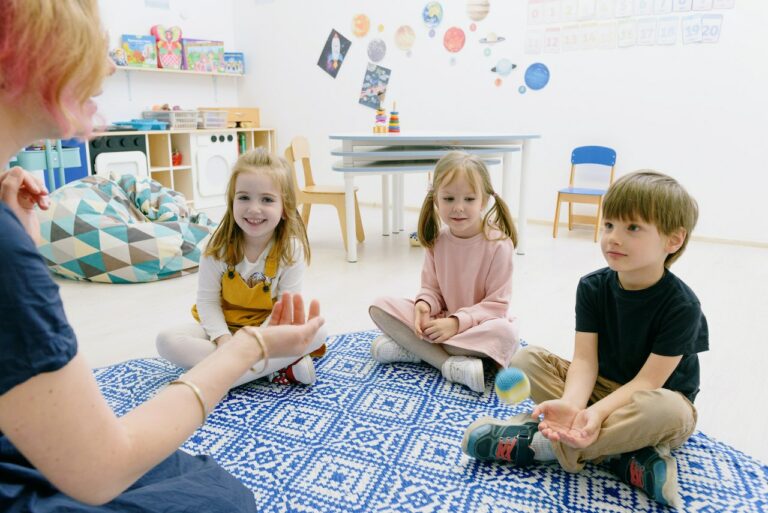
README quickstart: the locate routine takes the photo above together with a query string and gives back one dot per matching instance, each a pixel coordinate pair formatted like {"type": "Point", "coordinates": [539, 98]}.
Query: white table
{"type": "Point", "coordinates": [416, 152]}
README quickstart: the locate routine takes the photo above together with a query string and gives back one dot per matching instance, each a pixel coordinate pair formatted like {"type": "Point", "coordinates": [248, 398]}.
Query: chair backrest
{"type": "Point", "coordinates": [600, 155]}
{"type": "Point", "coordinates": [298, 151]}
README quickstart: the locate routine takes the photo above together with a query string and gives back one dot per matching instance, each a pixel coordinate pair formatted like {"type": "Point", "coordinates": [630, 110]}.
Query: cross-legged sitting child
{"type": "Point", "coordinates": [461, 313]}
{"type": "Point", "coordinates": [257, 253]}
{"type": "Point", "coordinates": [627, 395]}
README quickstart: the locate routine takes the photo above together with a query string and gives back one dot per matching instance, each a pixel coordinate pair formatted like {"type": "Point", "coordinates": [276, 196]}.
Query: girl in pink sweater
{"type": "Point", "coordinates": [460, 314]}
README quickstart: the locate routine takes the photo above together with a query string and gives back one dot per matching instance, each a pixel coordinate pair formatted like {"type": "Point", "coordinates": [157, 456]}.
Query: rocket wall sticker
{"type": "Point", "coordinates": [334, 51]}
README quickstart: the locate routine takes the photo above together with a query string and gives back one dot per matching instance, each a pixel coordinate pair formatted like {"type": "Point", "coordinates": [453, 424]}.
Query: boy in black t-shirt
{"type": "Point", "coordinates": [627, 396]}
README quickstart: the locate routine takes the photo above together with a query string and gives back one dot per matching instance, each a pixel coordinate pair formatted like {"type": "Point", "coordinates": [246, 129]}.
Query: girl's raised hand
{"type": "Point", "coordinates": [420, 317]}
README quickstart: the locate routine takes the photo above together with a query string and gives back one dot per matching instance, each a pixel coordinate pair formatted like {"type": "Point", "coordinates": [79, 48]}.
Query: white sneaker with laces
{"type": "Point", "coordinates": [465, 370]}
{"type": "Point", "coordinates": [386, 350]}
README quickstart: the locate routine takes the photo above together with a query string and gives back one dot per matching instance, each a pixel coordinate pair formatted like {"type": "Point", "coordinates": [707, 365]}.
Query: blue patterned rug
{"type": "Point", "coordinates": [380, 438]}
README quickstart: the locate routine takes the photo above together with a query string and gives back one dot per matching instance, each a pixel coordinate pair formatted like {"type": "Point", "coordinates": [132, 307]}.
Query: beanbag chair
{"type": "Point", "coordinates": [127, 231]}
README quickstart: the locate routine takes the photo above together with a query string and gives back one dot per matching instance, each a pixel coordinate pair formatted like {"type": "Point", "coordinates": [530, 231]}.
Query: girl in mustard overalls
{"type": "Point", "coordinates": [257, 252]}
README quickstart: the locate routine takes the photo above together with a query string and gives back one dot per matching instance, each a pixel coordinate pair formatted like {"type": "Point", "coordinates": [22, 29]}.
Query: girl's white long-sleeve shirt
{"type": "Point", "coordinates": [287, 279]}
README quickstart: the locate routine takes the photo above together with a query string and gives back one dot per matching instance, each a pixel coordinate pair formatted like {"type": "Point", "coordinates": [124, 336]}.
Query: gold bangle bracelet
{"type": "Point", "coordinates": [198, 395]}
{"type": "Point", "coordinates": [256, 334]}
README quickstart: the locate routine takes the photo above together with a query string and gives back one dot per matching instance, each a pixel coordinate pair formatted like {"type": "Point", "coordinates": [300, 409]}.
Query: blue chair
{"type": "Point", "coordinates": [585, 155]}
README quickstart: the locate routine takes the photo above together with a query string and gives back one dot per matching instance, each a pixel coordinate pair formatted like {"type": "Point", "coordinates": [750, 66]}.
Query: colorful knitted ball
{"type": "Point", "coordinates": [512, 385]}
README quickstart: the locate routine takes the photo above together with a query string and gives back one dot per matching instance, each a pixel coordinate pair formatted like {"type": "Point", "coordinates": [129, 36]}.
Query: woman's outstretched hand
{"type": "Point", "coordinates": [290, 330]}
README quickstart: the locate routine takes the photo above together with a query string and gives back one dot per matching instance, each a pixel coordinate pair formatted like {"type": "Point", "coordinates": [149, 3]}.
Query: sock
{"type": "Point", "coordinates": [542, 448]}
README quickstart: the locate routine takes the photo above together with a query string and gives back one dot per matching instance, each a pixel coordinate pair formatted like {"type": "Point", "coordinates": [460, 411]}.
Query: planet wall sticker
{"type": "Point", "coordinates": [360, 25]}
{"type": "Point", "coordinates": [503, 67]}
{"type": "Point", "coordinates": [432, 14]}
{"type": "Point", "coordinates": [405, 37]}
{"type": "Point", "coordinates": [536, 76]}
{"type": "Point", "coordinates": [454, 39]}
{"type": "Point", "coordinates": [477, 10]}
{"type": "Point", "coordinates": [491, 39]}
{"type": "Point", "coordinates": [377, 49]}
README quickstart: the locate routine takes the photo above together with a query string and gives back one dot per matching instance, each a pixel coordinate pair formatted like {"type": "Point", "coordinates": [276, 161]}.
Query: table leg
{"type": "Point", "coordinates": [401, 203]}
{"type": "Point", "coordinates": [385, 204]}
{"type": "Point", "coordinates": [349, 201]}
{"type": "Point", "coordinates": [522, 214]}
{"type": "Point", "coordinates": [395, 202]}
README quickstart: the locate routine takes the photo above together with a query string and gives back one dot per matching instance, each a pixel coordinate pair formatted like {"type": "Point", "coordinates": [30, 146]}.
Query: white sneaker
{"type": "Point", "coordinates": [302, 372]}
{"type": "Point", "coordinates": [386, 350]}
{"type": "Point", "coordinates": [465, 370]}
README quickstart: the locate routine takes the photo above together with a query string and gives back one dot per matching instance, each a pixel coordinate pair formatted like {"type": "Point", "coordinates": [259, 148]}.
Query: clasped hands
{"type": "Point", "coordinates": [436, 331]}
{"type": "Point", "coordinates": [563, 422]}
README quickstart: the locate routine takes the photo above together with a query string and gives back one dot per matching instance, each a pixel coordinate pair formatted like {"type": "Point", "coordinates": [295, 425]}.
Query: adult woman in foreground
{"type": "Point", "coordinates": [61, 446]}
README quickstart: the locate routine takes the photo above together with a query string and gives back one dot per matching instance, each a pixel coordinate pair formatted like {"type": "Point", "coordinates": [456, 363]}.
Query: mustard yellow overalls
{"type": "Point", "coordinates": [245, 305]}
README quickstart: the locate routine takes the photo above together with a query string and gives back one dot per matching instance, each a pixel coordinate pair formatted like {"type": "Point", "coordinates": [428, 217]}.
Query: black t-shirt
{"type": "Point", "coordinates": [664, 319]}
{"type": "Point", "coordinates": [35, 336]}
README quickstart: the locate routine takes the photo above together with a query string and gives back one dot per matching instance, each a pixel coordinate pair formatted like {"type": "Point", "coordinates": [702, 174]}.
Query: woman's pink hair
{"type": "Point", "coordinates": [56, 50]}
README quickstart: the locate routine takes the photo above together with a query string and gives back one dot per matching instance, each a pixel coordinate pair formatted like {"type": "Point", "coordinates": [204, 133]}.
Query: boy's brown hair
{"type": "Point", "coordinates": [654, 198]}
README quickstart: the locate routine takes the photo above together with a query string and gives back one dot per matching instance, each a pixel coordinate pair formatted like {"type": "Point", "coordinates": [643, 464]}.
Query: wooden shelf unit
{"type": "Point", "coordinates": [161, 143]}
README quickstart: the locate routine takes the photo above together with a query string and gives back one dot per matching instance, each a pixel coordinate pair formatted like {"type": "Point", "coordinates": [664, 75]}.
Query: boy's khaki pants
{"type": "Point", "coordinates": [653, 417]}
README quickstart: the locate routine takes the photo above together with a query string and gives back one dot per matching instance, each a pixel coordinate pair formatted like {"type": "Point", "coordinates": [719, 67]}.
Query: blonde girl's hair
{"type": "Point", "coordinates": [227, 242]}
{"type": "Point", "coordinates": [460, 164]}
{"type": "Point", "coordinates": [654, 198]}
{"type": "Point", "coordinates": [58, 50]}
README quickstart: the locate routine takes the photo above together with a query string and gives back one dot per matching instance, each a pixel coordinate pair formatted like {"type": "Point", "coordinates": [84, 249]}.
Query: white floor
{"type": "Point", "coordinates": [119, 322]}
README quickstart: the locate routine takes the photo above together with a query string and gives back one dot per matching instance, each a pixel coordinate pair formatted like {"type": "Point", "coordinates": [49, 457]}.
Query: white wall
{"type": "Point", "coordinates": [126, 94]}
{"type": "Point", "coordinates": [697, 112]}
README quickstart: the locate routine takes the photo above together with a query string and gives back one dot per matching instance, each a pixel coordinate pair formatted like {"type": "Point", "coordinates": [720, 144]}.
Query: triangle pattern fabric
{"type": "Point", "coordinates": [93, 231]}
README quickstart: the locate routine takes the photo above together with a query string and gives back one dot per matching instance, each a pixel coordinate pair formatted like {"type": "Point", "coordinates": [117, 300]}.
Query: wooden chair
{"type": "Point", "coordinates": [311, 193]}
{"type": "Point", "coordinates": [585, 155]}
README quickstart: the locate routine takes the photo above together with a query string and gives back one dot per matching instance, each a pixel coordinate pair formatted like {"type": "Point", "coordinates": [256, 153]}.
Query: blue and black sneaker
{"type": "Point", "coordinates": [653, 470]}
{"type": "Point", "coordinates": [491, 439]}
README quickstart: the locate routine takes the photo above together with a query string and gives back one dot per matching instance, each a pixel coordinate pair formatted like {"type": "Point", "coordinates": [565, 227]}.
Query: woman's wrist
{"type": "Point", "coordinates": [257, 342]}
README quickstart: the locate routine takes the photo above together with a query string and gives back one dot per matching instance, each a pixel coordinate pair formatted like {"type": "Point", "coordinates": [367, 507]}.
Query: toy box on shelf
{"type": "Point", "coordinates": [143, 124]}
{"type": "Point", "coordinates": [212, 119]}
{"type": "Point", "coordinates": [177, 119]}
{"type": "Point", "coordinates": [140, 51]}
{"type": "Point", "coordinates": [234, 62]}
{"type": "Point", "coordinates": [203, 55]}
{"type": "Point", "coordinates": [239, 117]}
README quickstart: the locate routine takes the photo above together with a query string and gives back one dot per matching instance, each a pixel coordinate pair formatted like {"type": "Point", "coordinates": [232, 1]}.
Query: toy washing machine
{"type": "Point", "coordinates": [213, 154]}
